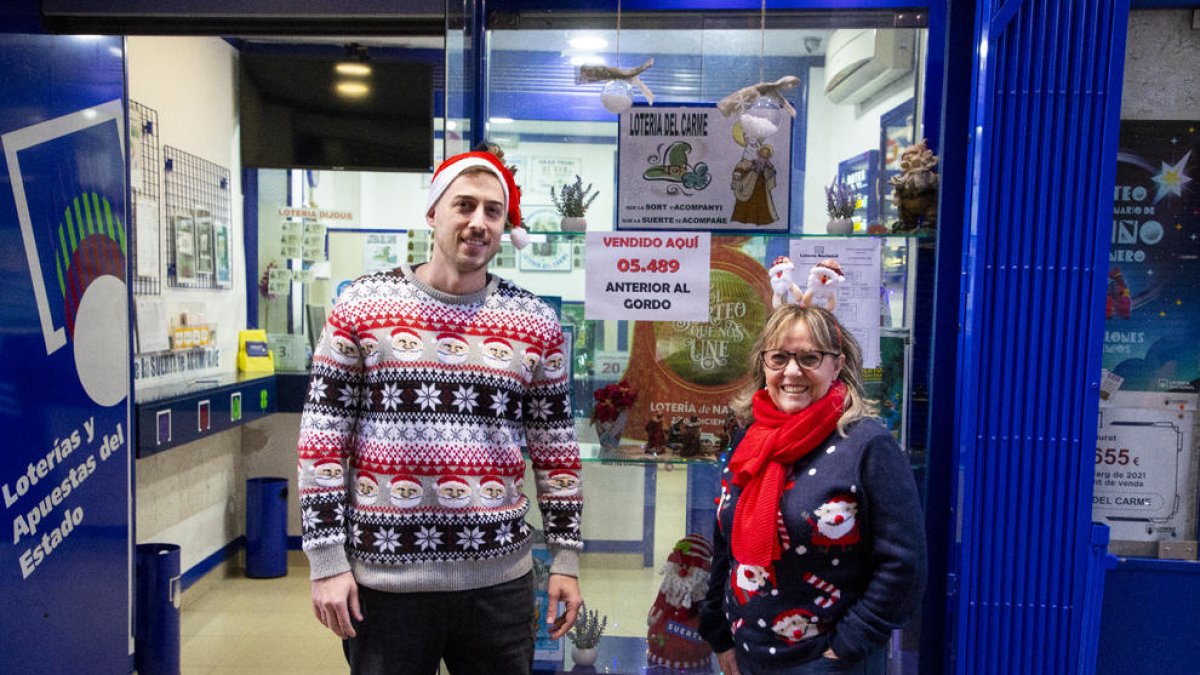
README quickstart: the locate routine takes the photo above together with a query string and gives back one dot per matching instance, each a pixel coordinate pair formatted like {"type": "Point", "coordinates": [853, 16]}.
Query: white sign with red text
{"type": "Point", "coordinates": [648, 276]}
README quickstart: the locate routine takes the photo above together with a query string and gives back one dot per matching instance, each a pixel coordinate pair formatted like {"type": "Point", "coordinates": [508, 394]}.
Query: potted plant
{"type": "Point", "coordinates": [611, 412]}
{"type": "Point", "coordinates": [585, 635]}
{"type": "Point", "coordinates": [840, 202]}
{"type": "Point", "coordinates": [572, 201]}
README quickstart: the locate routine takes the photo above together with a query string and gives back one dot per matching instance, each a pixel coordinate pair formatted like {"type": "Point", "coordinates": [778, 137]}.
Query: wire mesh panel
{"type": "Point", "coordinates": [197, 218]}
{"type": "Point", "coordinates": [145, 182]}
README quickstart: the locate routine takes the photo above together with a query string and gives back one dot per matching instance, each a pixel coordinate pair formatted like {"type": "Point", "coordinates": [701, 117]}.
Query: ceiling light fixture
{"type": "Point", "coordinates": [352, 69]}
{"type": "Point", "coordinates": [352, 89]}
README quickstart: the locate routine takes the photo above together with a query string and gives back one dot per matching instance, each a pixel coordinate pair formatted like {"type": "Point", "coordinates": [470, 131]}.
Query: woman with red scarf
{"type": "Point", "coordinates": [819, 547]}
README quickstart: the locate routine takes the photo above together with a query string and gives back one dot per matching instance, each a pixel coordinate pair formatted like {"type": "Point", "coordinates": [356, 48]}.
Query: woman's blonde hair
{"type": "Point", "coordinates": [827, 334]}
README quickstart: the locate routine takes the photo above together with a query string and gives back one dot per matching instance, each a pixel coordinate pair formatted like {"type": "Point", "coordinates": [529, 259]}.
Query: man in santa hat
{"type": "Point", "coordinates": [673, 640]}
{"type": "Point", "coordinates": [397, 581]}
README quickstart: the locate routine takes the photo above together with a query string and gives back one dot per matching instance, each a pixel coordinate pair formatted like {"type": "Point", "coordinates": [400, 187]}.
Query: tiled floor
{"type": "Point", "coordinates": [232, 625]}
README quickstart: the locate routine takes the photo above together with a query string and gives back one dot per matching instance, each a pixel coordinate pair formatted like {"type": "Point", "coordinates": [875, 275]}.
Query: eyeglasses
{"type": "Point", "coordinates": [777, 359]}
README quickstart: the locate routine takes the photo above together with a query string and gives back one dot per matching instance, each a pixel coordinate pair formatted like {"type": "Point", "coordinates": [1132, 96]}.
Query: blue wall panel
{"type": "Point", "coordinates": [1044, 119]}
{"type": "Point", "coordinates": [65, 465]}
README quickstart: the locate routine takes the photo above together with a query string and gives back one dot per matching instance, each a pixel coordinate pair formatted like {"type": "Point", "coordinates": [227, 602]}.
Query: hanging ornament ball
{"type": "Point", "coordinates": [762, 119]}
{"type": "Point", "coordinates": [617, 96]}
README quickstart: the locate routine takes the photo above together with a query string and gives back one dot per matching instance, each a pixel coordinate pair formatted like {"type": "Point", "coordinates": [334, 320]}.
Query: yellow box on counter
{"type": "Point", "coordinates": [253, 354]}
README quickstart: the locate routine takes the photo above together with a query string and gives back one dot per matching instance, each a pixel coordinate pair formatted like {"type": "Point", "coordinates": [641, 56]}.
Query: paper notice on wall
{"type": "Point", "coordinates": [855, 296]}
{"type": "Point", "coordinates": [647, 276]}
{"type": "Point", "coordinates": [145, 218]}
{"type": "Point", "coordinates": [381, 250]}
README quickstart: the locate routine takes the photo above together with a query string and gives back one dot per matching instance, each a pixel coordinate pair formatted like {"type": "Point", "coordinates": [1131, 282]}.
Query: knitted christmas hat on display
{"type": "Point", "coordinates": [693, 550]}
{"type": "Point", "coordinates": [454, 166]}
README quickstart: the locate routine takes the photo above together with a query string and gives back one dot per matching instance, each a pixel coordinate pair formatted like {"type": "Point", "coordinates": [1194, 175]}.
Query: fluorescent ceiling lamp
{"type": "Point", "coordinates": [352, 89]}
{"type": "Point", "coordinates": [353, 69]}
{"type": "Point", "coordinates": [500, 120]}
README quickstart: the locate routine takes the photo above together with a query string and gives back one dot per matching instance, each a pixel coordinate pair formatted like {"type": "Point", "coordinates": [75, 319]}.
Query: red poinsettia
{"type": "Point", "coordinates": [611, 400]}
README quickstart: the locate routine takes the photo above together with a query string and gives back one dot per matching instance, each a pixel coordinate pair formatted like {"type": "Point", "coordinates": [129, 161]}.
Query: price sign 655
{"type": "Point", "coordinates": [1119, 457]}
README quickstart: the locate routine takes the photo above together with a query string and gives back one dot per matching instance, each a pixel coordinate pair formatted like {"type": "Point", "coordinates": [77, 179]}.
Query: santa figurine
{"type": "Point", "coordinates": [784, 290]}
{"type": "Point", "coordinates": [673, 640]}
{"type": "Point", "coordinates": [656, 435]}
{"type": "Point", "coordinates": [823, 281]}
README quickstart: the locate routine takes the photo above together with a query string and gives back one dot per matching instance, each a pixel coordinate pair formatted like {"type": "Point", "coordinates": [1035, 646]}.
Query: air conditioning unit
{"type": "Point", "coordinates": [860, 62]}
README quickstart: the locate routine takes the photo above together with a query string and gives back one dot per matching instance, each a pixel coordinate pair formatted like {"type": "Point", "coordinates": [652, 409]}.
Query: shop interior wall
{"type": "Point", "coordinates": [193, 495]}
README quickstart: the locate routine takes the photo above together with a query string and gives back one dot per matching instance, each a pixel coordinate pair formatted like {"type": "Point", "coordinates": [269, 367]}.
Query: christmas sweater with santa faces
{"type": "Point", "coordinates": [410, 464]}
{"type": "Point", "coordinates": [853, 558]}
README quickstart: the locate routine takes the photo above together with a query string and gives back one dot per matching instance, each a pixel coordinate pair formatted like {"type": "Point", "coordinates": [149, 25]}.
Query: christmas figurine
{"type": "Point", "coordinates": [673, 640]}
{"type": "Point", "coordinates": [656, 435]}
{"type": "Point", "coordinates": [784, 290]}
{"type": "Point", "coordinates": [691, 437]}
{"type": "Point", "coordinates": [823, 281]}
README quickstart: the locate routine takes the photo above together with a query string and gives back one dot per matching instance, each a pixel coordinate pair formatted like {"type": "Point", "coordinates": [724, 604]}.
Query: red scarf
{"type": "Point", "coordinates": [774, 442]}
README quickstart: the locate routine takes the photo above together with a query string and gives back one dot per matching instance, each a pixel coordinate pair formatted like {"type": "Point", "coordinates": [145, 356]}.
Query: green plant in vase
{"type": "Point", "coordinates": [585, 635]}
{"type": "Point", "coordinates": [572, 201]}
{"type": "Point", "coordinates": [840, 203]}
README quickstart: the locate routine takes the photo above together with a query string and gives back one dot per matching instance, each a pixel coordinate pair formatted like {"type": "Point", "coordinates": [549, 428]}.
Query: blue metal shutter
{"type": "Point", "coordinates": [1039, 205]}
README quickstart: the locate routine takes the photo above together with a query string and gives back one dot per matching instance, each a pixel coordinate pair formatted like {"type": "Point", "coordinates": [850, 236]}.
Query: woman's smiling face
{"type": "Point", "coordinates": [793, 388]}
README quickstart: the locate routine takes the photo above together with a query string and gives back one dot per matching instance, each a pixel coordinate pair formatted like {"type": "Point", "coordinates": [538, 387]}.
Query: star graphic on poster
{"type": "Point", "coordinates": [1171, 178]}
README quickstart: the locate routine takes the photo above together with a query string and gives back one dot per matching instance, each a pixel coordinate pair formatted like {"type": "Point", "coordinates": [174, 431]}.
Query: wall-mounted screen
{"type": "Point", "coordinates": [325, 112]}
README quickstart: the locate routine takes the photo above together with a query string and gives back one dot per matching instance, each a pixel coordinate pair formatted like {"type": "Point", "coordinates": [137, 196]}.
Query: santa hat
{"type": "Point", "coordinates": [450, 336]}
{"type": "Point", "coordinates": [832, 265]}
{"type": "Point", "coordinates": [447, 480]}
{"type": "Point", "coordinates": [404, 479]}
{"type": "Point", "coordinates": [340, 333]}
{"type": "Point", "coordinates": [454, 166]}
{"type": "Point", "coordinates": [497, 341]}
{"type": "Point", "coordinates": [326, 463]}
{"type": "Point", "coordinates": [490, 479]}
{"type": "Point", "coordinates": [363, 475]}
{"type": "Point", "coordinates": [405, 331]}
{"type": "Point", "coordinates": [532, 351]}
{"type": "Point", "coordinates": [692, 551]}
{"type": "Point", "coordinates": [782, 260]}
{"type": "Point", "coordinates": [563, 472]}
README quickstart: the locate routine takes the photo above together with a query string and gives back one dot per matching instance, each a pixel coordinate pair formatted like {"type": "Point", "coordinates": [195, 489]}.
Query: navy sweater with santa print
{"type": "Point", "coordinates": [410, 464]}
{"type": "Point", "coordinates": [853, 562]}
